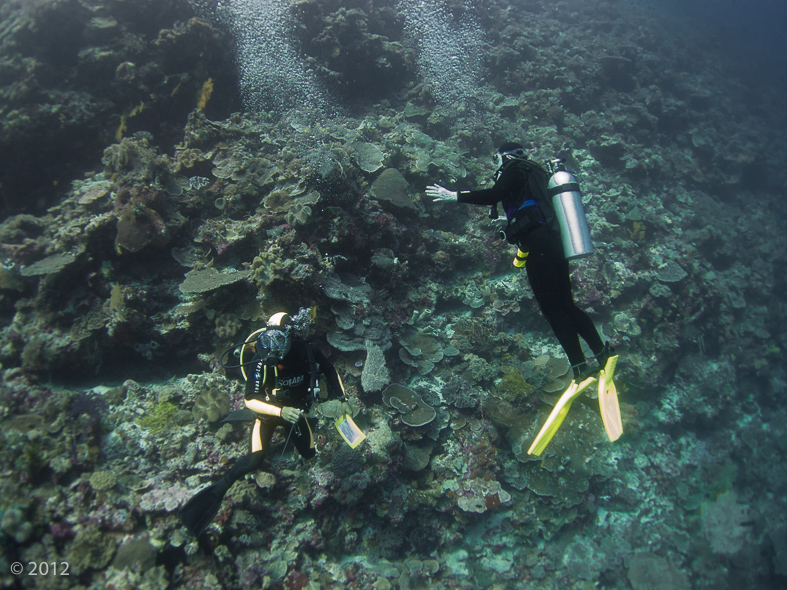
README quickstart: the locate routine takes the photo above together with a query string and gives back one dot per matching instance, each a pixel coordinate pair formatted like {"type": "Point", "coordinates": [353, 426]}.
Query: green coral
{"type": "Point", "coordinates": [103, 480]}
{"type": "Point", "coordinates": [160, 418]}
{"type": "Point", "coordinates": [266, 267]}
{"type": "Point", "coordinates": [91, 549]}
{"type": "Point", "coordinates": [710, 485]}
{"type": "Point", "coordinates": [210, 279]}
{"type": "Point", "coordinates": [298, 214]}
{"type": "Point", "coordinates": [513, 385]}
{"type": "Point", "coordinates": [32, 460]}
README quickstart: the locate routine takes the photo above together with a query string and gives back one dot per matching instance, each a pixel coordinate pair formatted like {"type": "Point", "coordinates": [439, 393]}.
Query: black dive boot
{"type": "Point", "coordinates": [604, 355]}
{"type": "Point", "coordinates": [581, 372]}
{"type": "Point", "coordinates": [197, 513]}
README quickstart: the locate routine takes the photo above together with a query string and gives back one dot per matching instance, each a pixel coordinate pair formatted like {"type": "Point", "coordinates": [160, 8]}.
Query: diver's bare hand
{"type": "Point", "coordinates": [291, 415]}
{"type": "Point", "coordinates": [440, 193]}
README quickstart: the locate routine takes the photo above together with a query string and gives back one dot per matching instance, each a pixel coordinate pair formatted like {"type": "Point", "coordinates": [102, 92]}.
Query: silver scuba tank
{"type": "Point", "coordinates": [563, 189]}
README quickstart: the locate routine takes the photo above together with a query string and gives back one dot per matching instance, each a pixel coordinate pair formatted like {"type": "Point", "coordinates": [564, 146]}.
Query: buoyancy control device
{"type": "Point", "coordinates": [563, 190]}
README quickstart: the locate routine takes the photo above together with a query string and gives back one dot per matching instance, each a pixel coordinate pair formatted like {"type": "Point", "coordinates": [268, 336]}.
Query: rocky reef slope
{"type": "Point", "coordinates": [156, 211]}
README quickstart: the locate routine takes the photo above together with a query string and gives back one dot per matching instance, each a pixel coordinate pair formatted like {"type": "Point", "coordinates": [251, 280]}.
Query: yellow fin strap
{"type": "Point", "coordinates": [608, 400]}
{"type": "Point", "coordinates": [558, 414]}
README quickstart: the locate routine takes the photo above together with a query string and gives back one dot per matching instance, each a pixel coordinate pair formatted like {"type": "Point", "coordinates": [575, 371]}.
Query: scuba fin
{"type": "Point", "coordinates": [197, 513]}
{"type": "Point", "coordinates": [242, 415]}
{"type": "Point", "coordinates": [558, 414]}
{"type": "Point", "coordinates": [608, 400]}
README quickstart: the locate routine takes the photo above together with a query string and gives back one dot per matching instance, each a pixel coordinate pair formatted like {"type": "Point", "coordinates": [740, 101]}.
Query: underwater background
{"type": "Point", "coordinates": [172, 173]}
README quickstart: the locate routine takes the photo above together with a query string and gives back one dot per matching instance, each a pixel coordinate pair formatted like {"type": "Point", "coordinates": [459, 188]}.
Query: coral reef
{"type": "Point", "coordinates": [391, 187]}
{"type": "Point", "coordinates": [211, 403]}
{"type": "Point", "coordinates": [725, 524]}
{"type": "Point", "coordinates": [359, 322]}
{"type": "Point", "coordinates": [375, 374]}
{"type": "Point", "coordinates": [420, 350]}
{"type": "Point", "coordinates": [647, 570]}
{"type": "Point", "coordinates": [163, 194]}
{"type": "Point", "coordinates": [413, 409]}
{"type": "Point", "coordinates": [209, 279]}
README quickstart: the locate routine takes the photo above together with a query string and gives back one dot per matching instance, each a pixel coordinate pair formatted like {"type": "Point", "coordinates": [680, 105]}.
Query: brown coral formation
{"type": "Point", "coordinates": [210, 279]}
{"type": "Point", "coordinates": [413, 409]}
{"type": "Point", "coordinates": [211, 405]}
{"type": "Point", "coordinates": [391, 188]}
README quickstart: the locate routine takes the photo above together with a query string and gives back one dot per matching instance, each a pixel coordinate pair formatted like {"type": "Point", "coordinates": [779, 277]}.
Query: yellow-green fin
{"type": "Point", "coordinates": [558, 414]}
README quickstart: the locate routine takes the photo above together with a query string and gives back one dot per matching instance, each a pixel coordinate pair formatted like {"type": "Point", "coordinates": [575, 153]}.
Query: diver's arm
{"type": "Point", "coordinates": [261, 407]}
{"type": "Point", "coordinates": [504, 186]}
{"type": "Point", "coordinates": [440, 193]}
{"type": "Point", "coordinates": [256, 405]}
{"type": "Point", "coordinates": [486, 196]}
{"type": "Point", "coordinates": [288, 413]}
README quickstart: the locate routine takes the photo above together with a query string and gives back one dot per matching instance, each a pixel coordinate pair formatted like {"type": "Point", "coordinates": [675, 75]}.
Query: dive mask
{"type": "Point", "coordinates": [273, 345]}
{"type": "Point", "coordinates": [513, 154]}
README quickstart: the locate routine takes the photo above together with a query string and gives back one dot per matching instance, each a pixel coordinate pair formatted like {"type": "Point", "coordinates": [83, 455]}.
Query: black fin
{"type": "Point", "coordinates": [197, 513]}
{"type": "Point", "coordinates": [242, 415]}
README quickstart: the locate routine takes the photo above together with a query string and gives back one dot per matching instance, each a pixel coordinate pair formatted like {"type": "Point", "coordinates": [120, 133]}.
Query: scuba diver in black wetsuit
{"type": "Point", "coordinates": [533, 227]}
{"type": "Point", "coordinates": [546, 221]}
{"type": "Point", "coordinates": [281, 386]}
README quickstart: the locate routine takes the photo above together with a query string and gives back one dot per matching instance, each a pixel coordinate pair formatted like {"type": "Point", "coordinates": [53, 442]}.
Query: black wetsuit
{"type": "Point", "coordinates": [289, 384]}
{"type": "Point", "coordinates": [547, 269]}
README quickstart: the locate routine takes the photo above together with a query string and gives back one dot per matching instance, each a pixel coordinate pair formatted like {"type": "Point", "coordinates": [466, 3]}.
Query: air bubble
{"type": "Point", "coordinates": [273, 76]}
{"type": "Point", "coordinates": [449, 56]}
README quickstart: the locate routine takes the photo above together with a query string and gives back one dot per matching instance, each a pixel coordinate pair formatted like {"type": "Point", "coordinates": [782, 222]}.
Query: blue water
{"type": "Point", "coordinates": [748, 32]}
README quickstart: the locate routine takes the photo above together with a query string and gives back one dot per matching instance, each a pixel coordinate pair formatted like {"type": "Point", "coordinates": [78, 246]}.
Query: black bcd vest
{"type": "Point", "coordinates": [533, 207]}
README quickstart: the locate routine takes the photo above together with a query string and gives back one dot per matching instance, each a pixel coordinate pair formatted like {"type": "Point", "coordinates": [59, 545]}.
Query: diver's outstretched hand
{"type": "Point", "coordinates": [439, 193]}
